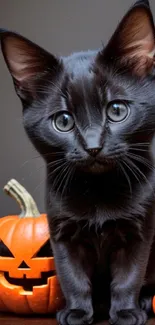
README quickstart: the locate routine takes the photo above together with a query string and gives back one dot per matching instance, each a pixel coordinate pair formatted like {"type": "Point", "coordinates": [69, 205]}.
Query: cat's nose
{"type": "Point", "coordinates": [94, 151]}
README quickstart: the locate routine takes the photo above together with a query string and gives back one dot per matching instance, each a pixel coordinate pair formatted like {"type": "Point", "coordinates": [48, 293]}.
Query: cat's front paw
{"type": "Point", "coordinates": [74, 317]}
{"type": "Point", "coordinates": [129, 317]}
{"type": "Point", "coordinates": [146, 304]}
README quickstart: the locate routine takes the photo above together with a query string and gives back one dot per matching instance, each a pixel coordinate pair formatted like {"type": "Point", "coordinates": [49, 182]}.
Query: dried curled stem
{"type": "Point", "coordinates": [23, 198]}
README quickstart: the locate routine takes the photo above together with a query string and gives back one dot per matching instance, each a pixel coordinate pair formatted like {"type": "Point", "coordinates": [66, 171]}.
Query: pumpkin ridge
{"type": "Point", "coordinates": [5, 305]}
{"type": "Point", "coordinates": [13, 229]}
{"type": "Point", "coordinates": [28, 304]}
{"type": "Point", "coordinates": [5, 308]}
{"type": "Point", "coordinates": [10, 225]}
{"type": "Point", "coordinates": [21, 228]}
{"type": "Point", "coordinates": [6, 302]}
{"type": "Point", "coordinates": [6, 219]}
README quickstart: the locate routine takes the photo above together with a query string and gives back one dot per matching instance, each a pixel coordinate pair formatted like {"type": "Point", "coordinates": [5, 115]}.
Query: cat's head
{"type": "Point", "coordinates": [91, 108]}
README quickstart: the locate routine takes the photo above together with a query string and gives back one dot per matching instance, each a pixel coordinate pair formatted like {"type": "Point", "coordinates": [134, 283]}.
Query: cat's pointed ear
{"type": "Point", "coordinates": [133, 42]}
{"type": "Point", "coordinates": [27, 62]}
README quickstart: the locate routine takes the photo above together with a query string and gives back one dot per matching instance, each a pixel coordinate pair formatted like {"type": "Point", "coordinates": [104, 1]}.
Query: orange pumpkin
{"type": "Point", "coordinates": [28, 283]}
{"type": "Point", "coordinates": [153, 304]}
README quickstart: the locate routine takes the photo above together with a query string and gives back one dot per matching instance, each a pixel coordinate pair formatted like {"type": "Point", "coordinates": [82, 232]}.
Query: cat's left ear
{"type": "Point", "coordinates": [29, 64]}
{"type": "Point", "coordinates": [133, 43]}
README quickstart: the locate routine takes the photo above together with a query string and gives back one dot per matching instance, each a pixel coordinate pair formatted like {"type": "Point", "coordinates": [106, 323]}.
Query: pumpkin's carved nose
{"type": "Point", "coordinates": [23, 265]}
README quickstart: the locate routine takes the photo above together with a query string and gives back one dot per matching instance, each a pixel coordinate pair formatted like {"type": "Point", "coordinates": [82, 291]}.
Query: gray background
{"type": "Point", "coordinates": [60, 26]}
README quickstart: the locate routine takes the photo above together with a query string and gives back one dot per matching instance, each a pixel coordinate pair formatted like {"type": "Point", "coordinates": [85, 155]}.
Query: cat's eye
{"type": "Point", "coordinates": [117, 111]}
{"type": "Point", "coordinates": [63, 122]}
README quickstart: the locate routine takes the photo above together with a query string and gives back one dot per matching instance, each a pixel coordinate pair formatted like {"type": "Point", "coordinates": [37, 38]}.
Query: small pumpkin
{"type": "Point", "coordinates": [28, 283]}
{"type": "Point", "coordinates": [153, 304]}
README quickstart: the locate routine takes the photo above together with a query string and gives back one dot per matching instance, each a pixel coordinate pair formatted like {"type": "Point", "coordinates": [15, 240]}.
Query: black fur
{"type": "Point", "coordinates": [100, 176]}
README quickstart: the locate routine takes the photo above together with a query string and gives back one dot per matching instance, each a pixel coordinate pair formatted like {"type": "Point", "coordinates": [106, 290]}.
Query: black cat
{"type": "Point", "coordinates": [92, 117]}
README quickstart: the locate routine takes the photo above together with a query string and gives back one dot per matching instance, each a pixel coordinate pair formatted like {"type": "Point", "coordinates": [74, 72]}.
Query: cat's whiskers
{"type": "Point", "coordinates": [137, 144]}
{"type": "Point", "coordinates": [139, 171]}
{"type": "Point", "coordinates": [58, 177]}
{"type": "Point", "coordinates": [62, 176]}
{"type": "Point", "coordinates": [134, 169]}
{"type": "Point", "coordinates": [40, 157]}
{"type": "Point", "coordinates": [53, 164]}
{"type": "Point", "coordinates": [62, 169]}
{"type": "Point", "coordinates": [65, 180]}
{"type": "Point", "coordinates": [138, 149]}
{"type": "Point", "coordinates": [140, 131]}
{"type": "Point", "coordinates": [56, 169]}
{"type": "Point", "coordinates": [142, 160]}
{"type": "Point", "coordinates": [126, 162]}
{"type": "Point", "coordinates": [126, 176]}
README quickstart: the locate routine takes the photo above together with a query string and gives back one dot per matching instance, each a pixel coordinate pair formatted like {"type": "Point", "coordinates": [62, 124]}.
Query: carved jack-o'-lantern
{"type": "Point", "coordinates": [28, 283]}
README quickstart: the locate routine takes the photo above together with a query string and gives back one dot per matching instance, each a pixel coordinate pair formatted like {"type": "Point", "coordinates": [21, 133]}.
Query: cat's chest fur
{"type": "Point", "coordinates": [93, 205]}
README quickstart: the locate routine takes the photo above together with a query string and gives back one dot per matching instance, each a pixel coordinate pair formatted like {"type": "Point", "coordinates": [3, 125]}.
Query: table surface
{"type": "Point", "coordinates": [13, 320]}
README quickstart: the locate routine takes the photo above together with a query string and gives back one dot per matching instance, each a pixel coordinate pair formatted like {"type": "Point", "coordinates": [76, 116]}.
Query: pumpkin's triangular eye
{"type": "Point", "coordinates": [4, 250]}
{"type": "Point", "coordinates": [44, 251]}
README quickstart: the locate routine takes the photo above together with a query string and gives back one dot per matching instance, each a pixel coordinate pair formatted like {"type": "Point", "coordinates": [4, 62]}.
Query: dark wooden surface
{"type": "Point", "coordinates": [13, 320]}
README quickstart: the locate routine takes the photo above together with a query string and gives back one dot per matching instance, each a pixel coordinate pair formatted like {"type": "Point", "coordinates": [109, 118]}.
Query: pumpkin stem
{"type": "Point", "coordinates": [25, 200]}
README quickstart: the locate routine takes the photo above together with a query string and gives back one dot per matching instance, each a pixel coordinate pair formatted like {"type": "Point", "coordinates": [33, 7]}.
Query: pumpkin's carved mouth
{"type": "Point", "coordinates": [27, 283]}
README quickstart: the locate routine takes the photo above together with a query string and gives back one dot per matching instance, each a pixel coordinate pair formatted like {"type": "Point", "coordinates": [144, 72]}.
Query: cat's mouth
{"type": "Point", "coordinates": [100, 166]}
{"type": "Point", "coordinates": [97, 166]}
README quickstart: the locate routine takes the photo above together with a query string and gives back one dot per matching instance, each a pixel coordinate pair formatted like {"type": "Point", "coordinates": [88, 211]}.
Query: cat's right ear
{"type": "Point", "coordinates": [133, 43]}
{"type": "Point", "coordinates": [29, 64]}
